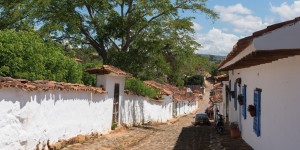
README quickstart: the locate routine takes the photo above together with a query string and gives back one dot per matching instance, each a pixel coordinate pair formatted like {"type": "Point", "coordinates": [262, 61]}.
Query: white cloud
{"type": "Point", "coordinates": [240, 18]}
{"type": "Point", "coordinates": [196, 26]}
{"type": "Point", "coordinates": [238, 8]}
{"type": "Point", "coordinates": [216, 42]}
{"type": "Point", "coordinates": [286, 11]}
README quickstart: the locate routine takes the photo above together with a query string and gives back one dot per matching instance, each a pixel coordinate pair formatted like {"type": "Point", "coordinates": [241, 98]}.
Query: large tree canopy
{"type": "Point", "coordinates": [25, 55]}
{"type": "Point", "coordinates": [107, 23]}
{"type": "Point", "coordinates": [149, 38]}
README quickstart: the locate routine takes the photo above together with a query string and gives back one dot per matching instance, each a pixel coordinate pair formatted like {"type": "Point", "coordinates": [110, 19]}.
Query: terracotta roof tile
{"type": "Point", "coordinates": [46, 85]}
{"type": "Point", "coordinates": [216, 98]}
{"type": "Point", "coordinates": [178, 94]}
{"type": "Point", "coordinates": [221, 76]}
{"type": "Point", "coordinates": [78, 60]}
{"type": "Point", "coordinates": [106, 69]}
{"type": "Point", "coordinates": [218, 85]}
{"type": "Point", "coordinates": [164, 90]}
{"type": "Point", "coordinates": [196, 88]}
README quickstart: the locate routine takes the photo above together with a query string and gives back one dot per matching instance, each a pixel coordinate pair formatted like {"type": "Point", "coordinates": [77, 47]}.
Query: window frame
{"type": "Point", "coordinates": [257, 117]}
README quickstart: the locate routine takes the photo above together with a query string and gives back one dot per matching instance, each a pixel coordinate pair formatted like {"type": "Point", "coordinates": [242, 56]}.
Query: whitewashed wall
{"type": "Point", "coordinates": [223, 104]}
{"type": "Point", "coordinates": [280, 103]}
{"type": "Point", "coordinates": [108, 82]}
{"type": "Point", "coordinates": [286, 37]}
{"type": "Point", "coordinates": [185, 107]}
{"type": "Point", "coordinates": [137, 109]}
{"type": "Point", "coordinates": [30, 117]}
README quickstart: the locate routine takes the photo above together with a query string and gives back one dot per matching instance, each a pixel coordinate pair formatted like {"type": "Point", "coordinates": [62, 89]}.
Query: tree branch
{"type": "Point", "coordinates": [122, 8]}
{"type": "Point", "coordinates": [90, 10]}
{"type": "Point", "coordinates": [114, 43]}
{"type": "Point", "coordinates": [141, 29]}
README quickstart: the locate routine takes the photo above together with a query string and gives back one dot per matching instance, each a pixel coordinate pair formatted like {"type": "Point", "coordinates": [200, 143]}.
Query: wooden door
{"type": "Point", "coordinates": [115, 117]}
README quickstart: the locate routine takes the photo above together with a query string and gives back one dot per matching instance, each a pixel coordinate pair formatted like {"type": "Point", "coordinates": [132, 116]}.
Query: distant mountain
{"type": "Point", "coordinates": [215, 58]}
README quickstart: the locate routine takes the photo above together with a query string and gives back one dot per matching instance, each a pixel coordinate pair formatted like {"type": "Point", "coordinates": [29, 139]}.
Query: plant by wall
{"type": "Point", "coordinates": [114, 125]}
{"type": "Point", "coordinates": [140, 88]}
{"type": "Point", "coordinates": [25, 55]}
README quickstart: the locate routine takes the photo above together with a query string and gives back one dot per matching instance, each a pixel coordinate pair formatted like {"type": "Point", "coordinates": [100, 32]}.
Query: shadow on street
{"type": "Point", "coordinates": [194, 138]}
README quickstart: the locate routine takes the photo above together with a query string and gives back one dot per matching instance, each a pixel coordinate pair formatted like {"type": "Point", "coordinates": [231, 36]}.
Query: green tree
{"type": "Point", "coordinates": [108, 24]}
{"type": "Point", "coordinates": [15, 15]}
{"type": "Point", "coordinates": [25, 55]}
{"type": "Point", "coordinates": [194, 80]}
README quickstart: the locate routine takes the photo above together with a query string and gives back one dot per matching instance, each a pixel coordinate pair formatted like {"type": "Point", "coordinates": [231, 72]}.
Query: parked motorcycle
{"type": "Point", "coordinates": [220, 124]}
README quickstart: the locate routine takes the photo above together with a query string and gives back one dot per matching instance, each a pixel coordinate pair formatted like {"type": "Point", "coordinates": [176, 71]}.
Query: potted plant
{"type": "Point", "coordinates": [240, 99]}
{"type": "Point", "coordinates": [252, 110]}
{"type": "Point", "coordinates": [234, 130]}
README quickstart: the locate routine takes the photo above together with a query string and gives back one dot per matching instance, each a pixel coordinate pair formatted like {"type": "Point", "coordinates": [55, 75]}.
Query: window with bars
{"type": "Point", "coordinates": [257, 119]}
{"type": "Point", "coordinates": [244, 111]}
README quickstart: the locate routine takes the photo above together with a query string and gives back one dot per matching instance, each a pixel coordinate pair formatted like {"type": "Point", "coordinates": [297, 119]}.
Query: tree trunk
{"type": "Point", "coordinates": [103, 54]}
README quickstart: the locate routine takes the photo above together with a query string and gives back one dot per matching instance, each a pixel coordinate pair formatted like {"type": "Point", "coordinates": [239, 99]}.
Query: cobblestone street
{"type": "Point", "coordinates": [179, 135]}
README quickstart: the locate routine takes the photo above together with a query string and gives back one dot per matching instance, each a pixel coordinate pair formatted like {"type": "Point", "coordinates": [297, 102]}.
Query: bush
{"type": "Point", "coordinates": [140, 88]}
{"type": "Point", "coordinates": [114, 125]}
{"type": "Point", "coordinates": [26, 55]}
{"type": "Point", "coordinates": [194, 80]}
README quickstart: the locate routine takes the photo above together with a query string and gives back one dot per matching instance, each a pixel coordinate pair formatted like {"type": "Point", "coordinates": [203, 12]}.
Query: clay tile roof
{"type": "Point", "coordinates": [78, 60]}
{"type": "Point", "coordinates": [107, 69]}
{"type": "Point", "coordinates": [164, 90]}
{"type": "Point", "coordinates": [216, 98]}
{"type": "Point", "coordinates": [245, 42]}
{"type": "Point", "coordinates": [217, 85]}
{"type": "Point", "coordinates": [46, 85]}
{"type": "Point", "coordinates": [178, 94]}
{"type": "Point", "coordinates": [222, 77]}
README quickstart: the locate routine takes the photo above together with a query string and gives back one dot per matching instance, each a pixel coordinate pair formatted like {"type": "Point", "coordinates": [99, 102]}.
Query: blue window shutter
{"type": "Point", "coordinates": [245, 101]}
{"type": "Point", "coordinates": [257, 104]}
{"type": "Point", "coordinates": [235, 95]}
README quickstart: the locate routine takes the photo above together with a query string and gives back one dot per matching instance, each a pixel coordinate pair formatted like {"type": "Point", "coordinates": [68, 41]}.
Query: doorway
{"type": "Point", "coordinates": [115, 117]}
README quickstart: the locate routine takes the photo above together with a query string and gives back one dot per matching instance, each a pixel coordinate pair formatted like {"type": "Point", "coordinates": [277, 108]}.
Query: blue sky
{"type": "Point", "coordinates": [238, 19]}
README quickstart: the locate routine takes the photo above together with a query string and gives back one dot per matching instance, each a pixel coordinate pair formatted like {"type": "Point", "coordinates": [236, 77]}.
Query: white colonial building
{"type": "Point", "coordinates": [263, 68]}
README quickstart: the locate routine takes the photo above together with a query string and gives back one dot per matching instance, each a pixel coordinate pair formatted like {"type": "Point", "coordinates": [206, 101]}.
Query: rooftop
{"type": "Point", "coordinates": [178, 94]}
{"type": "Point", "coordinates": [107, 69]}
{"type": "Point", "coordinates": [259, 56]}
{"type": "Point", "coordinates": [46, 85]}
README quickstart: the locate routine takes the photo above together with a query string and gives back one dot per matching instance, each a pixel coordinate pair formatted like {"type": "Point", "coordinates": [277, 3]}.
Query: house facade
{"type": "Point", "coordinates": [263, 71]}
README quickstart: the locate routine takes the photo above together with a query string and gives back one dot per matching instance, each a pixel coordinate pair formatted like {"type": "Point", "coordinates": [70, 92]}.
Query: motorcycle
{"type": "Point", "coordinates": [220, 124]}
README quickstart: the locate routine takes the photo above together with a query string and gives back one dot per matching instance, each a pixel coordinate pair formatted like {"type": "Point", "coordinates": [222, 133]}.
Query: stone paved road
{"type": "Point", "coordinates": [179, 136]}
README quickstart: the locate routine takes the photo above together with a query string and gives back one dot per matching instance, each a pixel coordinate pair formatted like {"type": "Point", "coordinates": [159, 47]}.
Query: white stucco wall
{"type": "Point", "coordinates": [30, 117]}
{"type": "Point", "coordinates": [185, 107]}
{"type": "Point", "coordinates": [137, 109]}
{"type": "Point", "coordinates": [280, 103]}
{"type": "Point", "coordinates": [108, 82]}
{"type": "Point", "coordinates": [286, 37]}
{"type": "Point", "coordinates": [223, 104]}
